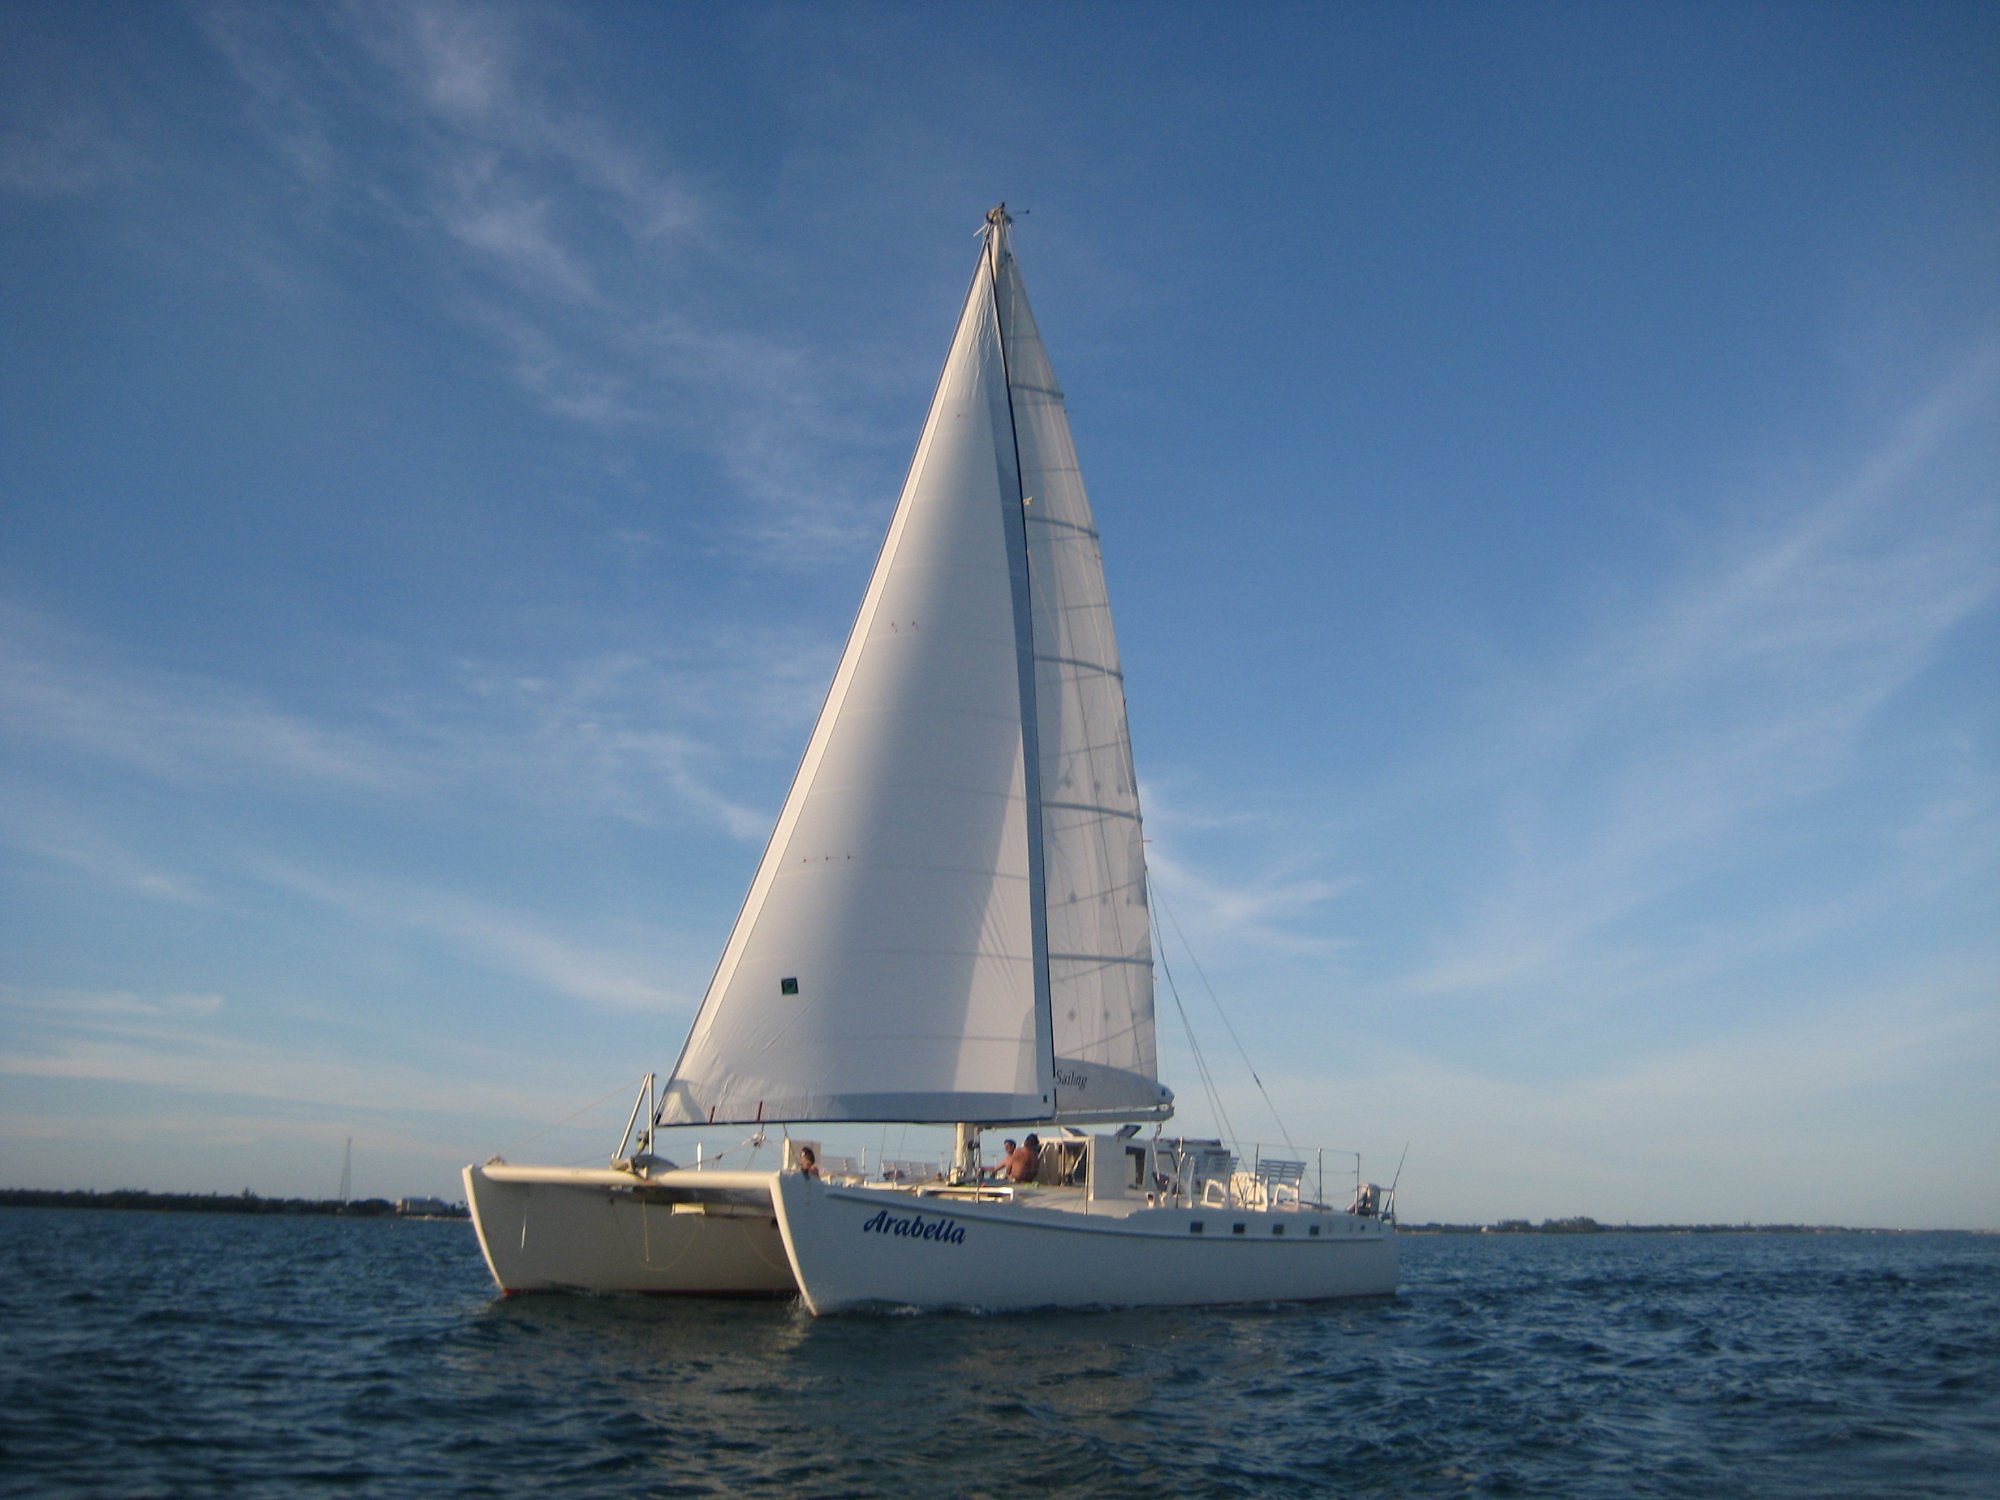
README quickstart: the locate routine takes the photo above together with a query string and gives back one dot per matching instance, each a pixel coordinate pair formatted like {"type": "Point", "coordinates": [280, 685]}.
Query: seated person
{"type": "Point", "coordinates": [1007, 1150]}
{"type": "Point", "coordinates": [808, 1162]}
{"type": "Point", "coordinates": [1023, 1161]}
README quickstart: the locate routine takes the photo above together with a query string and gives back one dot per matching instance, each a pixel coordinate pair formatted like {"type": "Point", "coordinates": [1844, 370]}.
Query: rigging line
{"type": "Point", "coordinates": [1216, 1000]}
{"type": "Point", "coordinates": [596, 1103]}
{"type": "Point", "coordinates": [1200, 1063]}
{"type": "Point", "coordinates": [754, 1142]}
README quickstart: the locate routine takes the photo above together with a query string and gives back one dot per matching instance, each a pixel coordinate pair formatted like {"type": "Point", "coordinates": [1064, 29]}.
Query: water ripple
{"type": "Point", "coordinates": [169, 1355]}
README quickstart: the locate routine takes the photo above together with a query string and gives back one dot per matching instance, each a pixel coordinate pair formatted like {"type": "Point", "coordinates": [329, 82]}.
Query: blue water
{"type": "Point", "coordinates": [158, 1354]}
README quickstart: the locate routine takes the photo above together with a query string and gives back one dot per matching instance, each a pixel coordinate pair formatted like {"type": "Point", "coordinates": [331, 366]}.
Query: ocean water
{"type": "Point", "coordinates": [165, 1354]}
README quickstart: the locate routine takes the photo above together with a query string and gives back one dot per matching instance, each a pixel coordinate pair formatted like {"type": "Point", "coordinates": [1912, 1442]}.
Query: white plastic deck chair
{"type": "Point", "coordinates": [1213, 1169]}
{"type": "Point", "coordinates": [1280, 1181]}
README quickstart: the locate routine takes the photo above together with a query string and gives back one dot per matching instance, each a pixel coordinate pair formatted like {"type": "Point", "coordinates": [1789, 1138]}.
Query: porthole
{"type": "Point", "coordinates": [1236, 1229]}
{"type": "Point", "coordinates": [1195, 1226]}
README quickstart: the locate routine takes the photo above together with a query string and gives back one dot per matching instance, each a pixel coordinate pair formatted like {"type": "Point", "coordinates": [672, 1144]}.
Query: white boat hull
{"type": "Point", "coordinates": [853, 1248]}
{"type": "Point", "coordinates": [674, 1232]}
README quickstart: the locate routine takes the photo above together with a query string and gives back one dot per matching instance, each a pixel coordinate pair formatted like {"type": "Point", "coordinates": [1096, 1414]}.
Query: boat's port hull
{"type": "Point", "coordinates": [852, 1249]}
{"type": "Point", "coordinates": [686, 1233]}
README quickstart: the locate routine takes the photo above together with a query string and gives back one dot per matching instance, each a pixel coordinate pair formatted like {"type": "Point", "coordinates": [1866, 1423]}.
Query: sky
{"type": "Point", "coordinates": [1549, 474]}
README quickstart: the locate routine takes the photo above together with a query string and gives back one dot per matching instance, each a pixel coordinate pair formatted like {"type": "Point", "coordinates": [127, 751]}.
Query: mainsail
{"type": "Point", "coordinates": [945, 927]}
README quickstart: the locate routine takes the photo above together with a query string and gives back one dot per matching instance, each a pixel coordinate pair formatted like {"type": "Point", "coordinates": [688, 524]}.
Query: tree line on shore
{"type": "Point", "coordinates": [246, 1202]}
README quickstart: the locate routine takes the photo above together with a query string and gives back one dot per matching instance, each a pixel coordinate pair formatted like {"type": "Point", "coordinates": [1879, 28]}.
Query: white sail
{"type": "Point", "coordinates": [885, 964]}
{"type": "Point", "coordinates": [945, 927]}
{"type": "Point", "coordinates": [1099, 934]}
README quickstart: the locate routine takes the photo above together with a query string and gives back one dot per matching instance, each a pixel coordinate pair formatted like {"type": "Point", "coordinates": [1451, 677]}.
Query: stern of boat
{"type": "Point", "coordinates": [607, 1230]}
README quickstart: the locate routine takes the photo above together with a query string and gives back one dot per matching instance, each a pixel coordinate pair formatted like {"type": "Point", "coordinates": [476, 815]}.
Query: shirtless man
{"type": "Point", "coordinates": [1023, 1161]}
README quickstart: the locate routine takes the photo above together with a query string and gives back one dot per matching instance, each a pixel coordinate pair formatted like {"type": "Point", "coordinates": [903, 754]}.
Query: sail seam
{"type": "Point", "coordinates": [1109, 812]}
{"type": "Point", "coordinates": [1082, 666]}
{"type": "Point", "coordinates": [1062, 525]}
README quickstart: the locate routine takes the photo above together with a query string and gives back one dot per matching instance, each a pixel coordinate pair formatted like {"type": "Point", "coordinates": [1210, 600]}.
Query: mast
{"type": "Point", "coordinates": [1019, 566]}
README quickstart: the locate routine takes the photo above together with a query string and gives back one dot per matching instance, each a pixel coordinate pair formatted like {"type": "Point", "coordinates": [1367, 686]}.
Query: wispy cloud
{"type": "Point", "coordinates": [57, 687]}
{"type": "Point", "coordinates": [575, 382]}
{"type": "Point", "coordinates": [44, 826]}
{"type": "Point", "coordinates": [1659, 752]}
{"type": "Point", "coordinates": [559, 242]}
{"type": "Point", "coordinates": [593, 740]}
{"type": "Point", "coordinates": [1731, 1126]}
{"type": "Point", "coordinates": [60, 137]}
{"type": "Point", "coordinates": [646, 738]}
{"type": "Point", "coordinates": [98, 1007]}
{"type": "Point", "coordinates": [514, 231]}
{"type": "Point", "coordinates": [503, 940]}
{"type": "Point", "coordinates": [470, 72]}
{"type": "Point", "coordinates": [1268, 912]}
{"type": "Point", "coordinates": [182, 1043]}
{"type": "Point", "coordinates": [1278, 906]}
{"type": "Point", "coordinates": [201, 1089]}
{"type": "Point", "coordinates": [643, 737]}
{"type": "Point", "coordinates": [61, 154]}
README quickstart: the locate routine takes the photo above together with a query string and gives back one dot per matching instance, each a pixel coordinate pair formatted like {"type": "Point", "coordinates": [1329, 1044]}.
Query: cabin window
{"type": "Point", "coordinates": [1313, 1231]}
{"type": "Point", "coordinates": [1236, 1229]}
{"type": "Point", "coordinates": [1277, 1229]}
{"type": "Point", "coordinates": [1195, 1226]}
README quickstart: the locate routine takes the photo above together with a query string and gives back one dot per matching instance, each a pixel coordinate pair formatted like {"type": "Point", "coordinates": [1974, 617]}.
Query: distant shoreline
{"type": "Point", "coordinates": [248, 1202]}
{"type": "Point", "coordinates": [245, 1202]}
{"type": "Point", "coordinates": [1591, 1226]}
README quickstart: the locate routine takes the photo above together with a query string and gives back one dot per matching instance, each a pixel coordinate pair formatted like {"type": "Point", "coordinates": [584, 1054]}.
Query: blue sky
{"type": "Point", "coordinates": [1547, 461]}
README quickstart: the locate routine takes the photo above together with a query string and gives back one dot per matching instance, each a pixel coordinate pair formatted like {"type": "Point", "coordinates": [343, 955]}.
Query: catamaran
{"type": "Point", "coordinates": [950, 926]}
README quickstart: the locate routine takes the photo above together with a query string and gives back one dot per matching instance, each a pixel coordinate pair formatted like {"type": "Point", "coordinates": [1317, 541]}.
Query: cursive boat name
{"type": "Point", "coordinates": [915, 1227]}
{"type": "Point", "coordinates": [1072, 1080]}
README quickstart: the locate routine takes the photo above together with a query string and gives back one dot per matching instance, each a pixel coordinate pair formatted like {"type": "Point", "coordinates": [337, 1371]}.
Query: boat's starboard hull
{"type": "Point", "coordinates": [853, 1248]}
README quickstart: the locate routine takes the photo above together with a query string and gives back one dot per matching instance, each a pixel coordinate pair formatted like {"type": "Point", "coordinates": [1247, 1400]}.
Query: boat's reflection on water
{"type": "Point", "coordinates": [750, 1394]}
